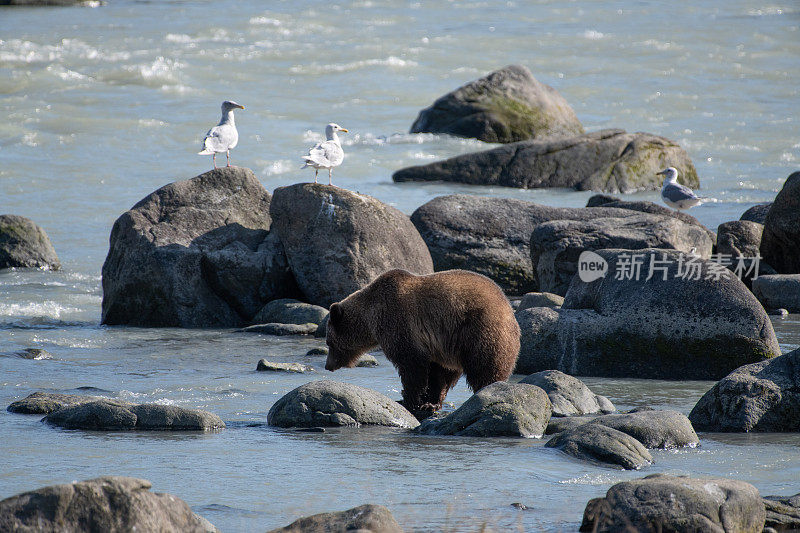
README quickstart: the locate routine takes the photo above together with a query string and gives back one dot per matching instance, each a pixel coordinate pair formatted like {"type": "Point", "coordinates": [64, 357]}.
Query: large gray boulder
{"type": "Point", "coordinates": [338, 241]}
{"type": "Point", "coordinates": [330, 403]}
{"type": "Point", "coordinates": [364, 519]}
{"type": "Point", "coordinates": [498, 410]}
{"type": "Point", "coordinates": [607, 160]}
{"type": "Point", "coordinates": [739, 241]}
{"type": "Point", "coordinates": [780, 244]}
{"type": "Point", "coordinates": [112, 503]}
{"type": "Point", "coordinates": [290, 311]}
{"type": "Point", "coordinates": [195, 253]}
{"type": "Point", "coordinates": [505, 106]}
{"type": "Point", "coordinates": [24, 244]}
{"type": "Point", "coordinates": [674, 328]}
{"type": "Point", "coordinates": [661, 502]}
{"type": "Point", "coordinates": [492, 236]}
{"type": "Point", "coordinates": [557, 245]}
{"type": "Point", "coordinates": [602, 444]}
{"type": "Point", "coordinates": [778, 291]}
{"type": "Point", "coordinates": [653, 428]}
{"type": "Point", "coordinates": [783, 513]}
{"type": "Point", "coordinates": [111, 415]}
{"type": "Point", "coordinates": [761, 397]}
{"type": "Point", "coordinates": [569, 396]}
{"type": "Point", "coordinates": [757, 213]}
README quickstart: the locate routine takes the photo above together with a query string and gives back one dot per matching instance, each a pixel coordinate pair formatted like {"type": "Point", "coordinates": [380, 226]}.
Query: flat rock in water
{"type": "Point", "coordinates": [607, 161]}
{"type": "Point", "coordinates": [569, 396]}
{"type": "Point", "coordinates": [196, 253]}
{"type": "Point", "coordinates": [338, 241]}
{"type": "Point", "coordinates": [602, 444]}
{"type": "Point", "coordinates": [108, 415]}
{"type": "Point", "coordinates": [364, 519]}
{"type": "Point", "coordinates": [24, 244]}
{"type": "Point", "coordinates": [271, 366]}
{"type": "Point", "coordinates": [498, 410]}
{"type": "Point", "coordinates": [318, 351]}
{"type": "Point", "coordinates": [281, 329]}
{"type": "Point", "coordinates": [661, 502]}
{"type": "Point", "coordinates": [780, 243]}
{"type": "Point", "coordinates": [112, 503]}
{"type": "Point", "coordinates": [330, 403]}
{"type": "Point", "coordinates": [290, 311]}
{"type": "Point", "coordinates": [623, 325]}
{"type": "Point", "coordinates": [36, 354]}
{"type": "Point", "coordinates": [558, 424]}
{"type": "Point", "coordinates": [505, 106]}
{"type": "Point", "coordinates": [492, 236]}
{"type": "Point", "coordinates": [556, 246]}
{"type": "Point", "coordinates": [653, 428]}
{"type": "Point", "coordinates": [761, 397]}
{"type": "Point", "coordinates": [367, 360]}
{"type": "Point", "coordinates": [778, 291]}
{"type": "Point", "coordinates": [42, 403]}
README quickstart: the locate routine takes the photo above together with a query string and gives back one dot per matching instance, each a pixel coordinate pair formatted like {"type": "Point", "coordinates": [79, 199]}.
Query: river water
{"type": "Point", "coordinates": [105, 104]}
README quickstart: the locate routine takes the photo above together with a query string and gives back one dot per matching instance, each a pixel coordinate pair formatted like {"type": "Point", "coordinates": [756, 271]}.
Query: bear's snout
{"type": "Point", "coordinates": [329, 366]}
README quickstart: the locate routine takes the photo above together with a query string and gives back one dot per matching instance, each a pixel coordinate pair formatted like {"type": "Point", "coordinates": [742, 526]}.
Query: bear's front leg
{"type": "Point", "coordinates": [440, 381]}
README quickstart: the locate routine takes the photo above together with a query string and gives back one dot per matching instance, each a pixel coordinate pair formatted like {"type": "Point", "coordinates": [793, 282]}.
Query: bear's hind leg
{"type": "Point", "coordinates": [488, 359]}
{"type": "Point", "coordinates": [440, 381]}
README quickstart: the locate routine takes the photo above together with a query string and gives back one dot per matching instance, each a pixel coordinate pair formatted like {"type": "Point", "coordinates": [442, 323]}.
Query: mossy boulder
{"type": "Point", "coordinates": [24, 244]}
{"type": "Point", "coordinates": [505, 106]}
{"type": "Point", "coordinates": [607, 161]}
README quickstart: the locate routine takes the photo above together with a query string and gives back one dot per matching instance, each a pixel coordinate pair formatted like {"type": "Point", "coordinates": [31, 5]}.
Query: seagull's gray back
{"type": "Point", "coordinates": [675, 192]}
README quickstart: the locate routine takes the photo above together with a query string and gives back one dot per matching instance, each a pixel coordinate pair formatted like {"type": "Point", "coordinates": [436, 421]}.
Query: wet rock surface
{"type": "Point", "coordinates": [282, 329]}
{"type": "Point", "coordinates": [780, 243]}
{"type": "Point", "coordinates": [290, 311]}
{"type": "Point", "coordinates": [110, 503]}
{"type": "Point", "coordinates": [602, 444]}
{"type": "Point", "coordinates": [111, 415]}
{"type": "Point", "coordinates": [568, 395]}
{"type": "Point", "coordinates": [364, 518]}
{"type": "Point", "coordinates": [330, 403]}
{"type": "Point", "coordinates": [505, 106]}
{"type": "Point", "coordinates": [272, 366]}
{"type": "Point", "coordinates": [24, 244]}
{"type": "Point", "coordinates": [778, 291]}
{"type": "Point", "coordinates": [607, 160]}
{"type": "Point", "coordinates": [498, 410]}
{"type": "Point", "coordinates": [661, 502]}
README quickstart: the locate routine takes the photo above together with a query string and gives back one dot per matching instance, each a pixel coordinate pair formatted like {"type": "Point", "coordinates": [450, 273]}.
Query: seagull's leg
{"type": "Point", "coordinates": [228, 157]}
{"type": "Point", "coordinates": [316, 174]}
{"type": "Point", "coordinates": [330, 171]}
{"type": "Point", "coordinates": [214, 159]}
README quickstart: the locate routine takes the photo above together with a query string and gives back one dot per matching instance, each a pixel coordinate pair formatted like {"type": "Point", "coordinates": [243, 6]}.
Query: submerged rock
{"type": "Point", "coordinates": [674, 328]}
{"type": "Point", "coordinates": [111, 503]}
{"type": "Point", "coordinates": [338, 241]}
{"type": "Point", "coordinates": [762, 396]}
{"type": "Point", "coordinates": [271, 366]}
{"type": "Point", "coordinates": [602, 444]}
{"type": "Point", "coordinates": [36, 354]}
{"type": "Point", "coordinates": [653, 428]}
{"type": "Point", "coordinates": [24, 244]}
{"type": "Point", "coordinates": [289, 311]}
{"type": "Point", "coordinates": [780, 243]}
{"type": "Point", "coordinates": [568, 395]}
{"type": "Point", "coordinates": [367, 360]}
{"type": "Point", "coordinates": [607, 160]}
{"type": "Point", "coordinates": [505, 106]}
{"type": "Point", "coordinates": [364, 519]}
{"type": "Point", "coordinates": [281, 329]}
{"type": "Point", "coordinates": [661, 502]}
{"type": "Point", "coordinates": [195, 253]}
{"type": "Point", "coordinates": [42, 403]}
{"type": "Point", "coordinates": [110, 415]}
{"type": "Point", "coordinates": [498, 410]}
{"type": "Point", "coordinates": [492, 236]}
{"type": "Point", "coordinates": [557, 245]}
{"type": "Point", "coordinates": [778, 291]}
{"type": "Point", "coordinates": [330, 403]}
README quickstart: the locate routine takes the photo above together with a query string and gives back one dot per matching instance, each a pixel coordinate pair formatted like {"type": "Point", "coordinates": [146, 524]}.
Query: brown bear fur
{"type": "Point", "coordinates": [432, 328]}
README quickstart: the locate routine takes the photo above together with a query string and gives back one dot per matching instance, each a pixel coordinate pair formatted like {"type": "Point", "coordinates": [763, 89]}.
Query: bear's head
{"type": "Point", "coordinates": [348, 338]}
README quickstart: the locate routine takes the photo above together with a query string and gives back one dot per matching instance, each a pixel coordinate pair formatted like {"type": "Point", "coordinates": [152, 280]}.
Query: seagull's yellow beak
{"type": "Point", "coordinates": [240, 106]}
{"type": "Point", "coordinates": [344, 130]}
{"type": "Point", "coordinates": [661, 173]}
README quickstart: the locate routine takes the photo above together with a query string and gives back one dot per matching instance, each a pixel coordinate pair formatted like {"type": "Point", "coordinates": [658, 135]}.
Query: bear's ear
{"type": "Point", "coordinates": [337, 313]}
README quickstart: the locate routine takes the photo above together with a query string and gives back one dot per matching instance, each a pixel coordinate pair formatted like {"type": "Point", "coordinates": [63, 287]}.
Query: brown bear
{"type": "Point", "coordinates": [432, 328]}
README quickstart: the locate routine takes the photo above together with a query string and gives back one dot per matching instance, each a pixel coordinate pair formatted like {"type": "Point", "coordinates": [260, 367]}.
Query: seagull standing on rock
{"type": "Point", "coordinates": [327, 154]}
{"type": "Point", "coordinates": [674, 194]}
{"type": "Point", "coordinates": [222, 137]}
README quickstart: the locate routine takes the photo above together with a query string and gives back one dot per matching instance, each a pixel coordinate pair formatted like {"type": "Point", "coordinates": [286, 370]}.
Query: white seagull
{"type": "Point", "coordinates": [327, 154]}
{"type": "Point", "coordinates": [223, 137]}
{"type": "Point", "coordinates": [674, 194]}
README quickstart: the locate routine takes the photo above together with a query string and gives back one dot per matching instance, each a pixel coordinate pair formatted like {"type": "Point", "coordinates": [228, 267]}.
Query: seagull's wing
{"type": "Point", "coordinates": [325, 154]}
{"type": "Point", "coordinates": [675, 192]}
{"type": "Point", "coordinates": [219, 139]}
